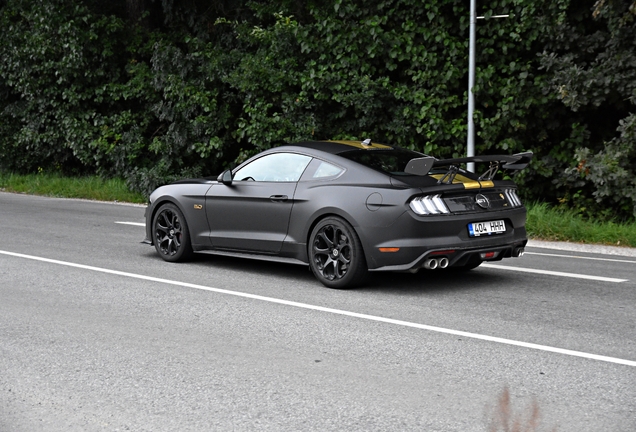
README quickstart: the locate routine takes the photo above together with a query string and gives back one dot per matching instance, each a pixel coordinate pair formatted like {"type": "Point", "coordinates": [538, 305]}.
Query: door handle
{"type": "Point", "coordinates": [278, 198]}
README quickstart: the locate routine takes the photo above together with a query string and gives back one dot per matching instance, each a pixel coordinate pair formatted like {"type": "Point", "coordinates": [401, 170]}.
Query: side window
{"type": "Point", "coordinates": [325, 169]}
{"type": "Point", "coordinates": [321, 170]}
{"type": "Point", "coordinates": [275, 167]}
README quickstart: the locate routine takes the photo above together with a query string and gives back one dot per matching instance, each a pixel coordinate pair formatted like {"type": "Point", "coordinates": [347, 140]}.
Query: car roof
{"type": "Point", "coordinates": [337, 147]}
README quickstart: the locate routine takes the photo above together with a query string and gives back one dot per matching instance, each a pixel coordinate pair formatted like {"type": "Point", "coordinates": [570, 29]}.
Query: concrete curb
{"type": "Point", "coordinates": [586, 248]}
{"type": "Point", "coordinates": [121, 203]}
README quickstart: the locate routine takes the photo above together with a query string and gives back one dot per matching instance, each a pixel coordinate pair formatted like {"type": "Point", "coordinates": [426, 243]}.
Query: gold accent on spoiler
{"type": "Point", "coordinates": [198, 206]}
{"type": "Point", "coordinates": [468, 183]}
{"type": "Point", "coordinates": [358, 144]}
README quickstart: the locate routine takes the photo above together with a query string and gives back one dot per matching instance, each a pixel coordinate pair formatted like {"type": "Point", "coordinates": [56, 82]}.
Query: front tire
{"type": "Point", "coordinates": [170, 234]}
{"type": "Point", "coordinates": [336, 256]}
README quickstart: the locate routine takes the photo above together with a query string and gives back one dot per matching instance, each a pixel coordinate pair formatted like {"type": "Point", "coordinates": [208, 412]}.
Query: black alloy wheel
{"type": "Point", "coordinates": [335, 254]}
{"type": "Point", "coordinates": [171, 236]}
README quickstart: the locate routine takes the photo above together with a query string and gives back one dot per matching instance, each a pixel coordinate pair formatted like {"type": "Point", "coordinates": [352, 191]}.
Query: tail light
{"type": "Point", "coordinates": [513, 198]}
{"type": "Point", "coordinates": [429, 205]}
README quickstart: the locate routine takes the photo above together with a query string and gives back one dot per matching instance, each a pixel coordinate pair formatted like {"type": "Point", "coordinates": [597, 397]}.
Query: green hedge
{"type": "Point", "coordinates": [186, 89]}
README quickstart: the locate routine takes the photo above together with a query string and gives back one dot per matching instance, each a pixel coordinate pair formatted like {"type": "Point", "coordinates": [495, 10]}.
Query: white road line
{"type": "Point", "coordinates": [336, 311]}
{"type": "Point", "coordinates": [554, 273]}
{"type": "Point", "coordinates": [528, 253]}
{"type": "Point", "coordinates": [131, 223]}
{"type": "Point", "coordinates": [580, 257]}
{"type": "Point", "coordinates": [600, 278]}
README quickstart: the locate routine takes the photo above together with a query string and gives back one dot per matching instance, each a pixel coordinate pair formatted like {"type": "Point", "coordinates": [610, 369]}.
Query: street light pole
{"type": "Point", "coordinates": [470, 145]}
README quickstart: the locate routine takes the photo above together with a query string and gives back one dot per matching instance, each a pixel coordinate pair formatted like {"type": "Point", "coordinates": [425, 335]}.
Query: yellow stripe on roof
{"type": "Point", "coordinates": [358, 144]}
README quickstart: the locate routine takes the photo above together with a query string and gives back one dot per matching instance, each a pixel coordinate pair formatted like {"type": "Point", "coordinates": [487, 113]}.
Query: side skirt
{"type": "Point", "coordinates": [270, 258]}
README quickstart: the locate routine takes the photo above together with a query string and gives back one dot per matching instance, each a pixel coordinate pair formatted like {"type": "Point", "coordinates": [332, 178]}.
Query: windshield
{"type": "Point", "coordinates": [391, 162]}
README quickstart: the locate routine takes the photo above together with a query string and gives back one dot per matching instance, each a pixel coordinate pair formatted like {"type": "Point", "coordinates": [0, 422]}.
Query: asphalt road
{"type": "Point", "coordinates": [98, 333]}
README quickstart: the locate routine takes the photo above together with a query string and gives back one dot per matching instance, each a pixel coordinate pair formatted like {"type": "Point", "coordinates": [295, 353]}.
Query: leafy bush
{"type": "Point", "coordinates": [593, 71]}
{"type": "Point", "coordinates": [189, 88]}
{"type": "Point", "coordinates": [57, 60]}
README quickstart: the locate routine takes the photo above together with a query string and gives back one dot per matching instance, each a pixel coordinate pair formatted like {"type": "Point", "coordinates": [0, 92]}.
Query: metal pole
{"type": "Point", "coordinates": [470, 145]}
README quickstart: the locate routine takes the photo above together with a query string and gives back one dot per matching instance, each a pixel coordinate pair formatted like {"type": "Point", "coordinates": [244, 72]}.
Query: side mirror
{"type": "Point", "coordinates": [225, 177]}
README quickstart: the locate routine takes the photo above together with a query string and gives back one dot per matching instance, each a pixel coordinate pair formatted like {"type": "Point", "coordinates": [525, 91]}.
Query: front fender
{"type": "Point", "coordinates": [190, 199]}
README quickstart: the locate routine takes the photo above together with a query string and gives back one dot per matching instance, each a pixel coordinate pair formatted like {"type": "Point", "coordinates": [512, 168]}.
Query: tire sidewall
{"type": "Point", "coordinates": [357, 272]}
{"type": "Point", "coordinates": [185, 250]}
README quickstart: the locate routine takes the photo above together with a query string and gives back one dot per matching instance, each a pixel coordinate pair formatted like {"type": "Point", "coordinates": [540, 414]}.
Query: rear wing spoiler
{"type": "Point", "coordinates": [422, 166]}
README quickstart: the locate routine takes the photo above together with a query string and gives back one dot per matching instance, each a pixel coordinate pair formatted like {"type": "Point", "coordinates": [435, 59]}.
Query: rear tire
{"type": "Point", "coordinates": [335, 254]}
{"type": "Point", "coordinates": [170, 234]}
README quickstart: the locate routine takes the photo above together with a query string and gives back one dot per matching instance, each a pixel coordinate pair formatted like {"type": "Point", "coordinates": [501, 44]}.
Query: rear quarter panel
{"type": "Point", "coordinates": [366, 200]}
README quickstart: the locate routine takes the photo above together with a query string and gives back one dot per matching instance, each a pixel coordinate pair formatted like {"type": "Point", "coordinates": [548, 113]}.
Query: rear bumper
{"type": "Point", "coordinates": [414, 240]}
{"type": "Point", "coordinates": [460, 257]}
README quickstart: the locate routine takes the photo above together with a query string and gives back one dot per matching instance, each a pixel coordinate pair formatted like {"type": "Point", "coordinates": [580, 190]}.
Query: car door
{"type": "Point", "coordinates": [252, 213]}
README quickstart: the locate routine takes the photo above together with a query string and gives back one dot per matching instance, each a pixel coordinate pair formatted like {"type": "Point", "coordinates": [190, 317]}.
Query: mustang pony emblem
{"type": "Point", "coordinates": [482, 201]}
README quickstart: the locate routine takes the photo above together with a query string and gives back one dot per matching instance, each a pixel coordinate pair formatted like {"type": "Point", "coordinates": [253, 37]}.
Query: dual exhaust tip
{"type": "Point", "coordinates": [435, 263]}
{"type": "Point", "coordinates": [442, 263]}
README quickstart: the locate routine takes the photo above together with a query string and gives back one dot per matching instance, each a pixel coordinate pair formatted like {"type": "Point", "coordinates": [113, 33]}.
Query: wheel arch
{"type": "Point", "coordinates": [159, 202]}
{"type": "Point", "coordinates": [354, 271]}
{"type": "Point", "coordinates": [342, 215]}
{"type": "Point", "coordinates": [325, 215]}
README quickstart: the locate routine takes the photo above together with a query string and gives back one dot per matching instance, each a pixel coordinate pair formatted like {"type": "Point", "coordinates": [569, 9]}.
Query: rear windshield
{"type": "Point", "coordinates": [391, 162]}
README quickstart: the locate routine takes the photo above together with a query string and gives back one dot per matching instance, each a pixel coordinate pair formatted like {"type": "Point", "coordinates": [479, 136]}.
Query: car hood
{"type": "Point", "coordinates": [204, 180]}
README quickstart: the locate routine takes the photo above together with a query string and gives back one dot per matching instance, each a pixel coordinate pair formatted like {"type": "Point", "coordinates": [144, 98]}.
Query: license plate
{"type": "Point", "coordinates": [477, 229]}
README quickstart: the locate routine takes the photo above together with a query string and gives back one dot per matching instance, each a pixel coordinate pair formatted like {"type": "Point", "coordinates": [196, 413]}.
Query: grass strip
{"type": "Point", "coordinates": [54, 185]}
{"type": "Point", "coordinates": [559, 224]}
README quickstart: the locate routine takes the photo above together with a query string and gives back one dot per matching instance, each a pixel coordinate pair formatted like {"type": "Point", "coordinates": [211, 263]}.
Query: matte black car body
{"type": "Point", "coordinates": [361, 201]}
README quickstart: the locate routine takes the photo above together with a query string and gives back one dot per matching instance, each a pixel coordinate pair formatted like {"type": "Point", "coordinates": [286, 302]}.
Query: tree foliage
{"type": "Point", "coordinates": [57, 60]}
{"type": "Point", "coordinates": [152, 90]}
{"type": "Point", "coordinates": [593, 71]}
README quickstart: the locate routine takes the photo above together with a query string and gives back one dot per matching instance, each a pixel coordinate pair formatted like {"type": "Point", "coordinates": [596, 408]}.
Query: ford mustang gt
{"type": "Point", "coordinates": [346, 208]}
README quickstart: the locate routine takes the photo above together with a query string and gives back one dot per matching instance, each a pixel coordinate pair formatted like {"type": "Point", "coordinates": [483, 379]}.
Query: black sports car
{"type": "Point", "coordinates": [345, 208]}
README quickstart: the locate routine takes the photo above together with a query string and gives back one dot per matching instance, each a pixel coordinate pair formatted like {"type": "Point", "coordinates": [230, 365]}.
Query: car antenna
{"type": "Point", "coordinates": [366, 142]}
